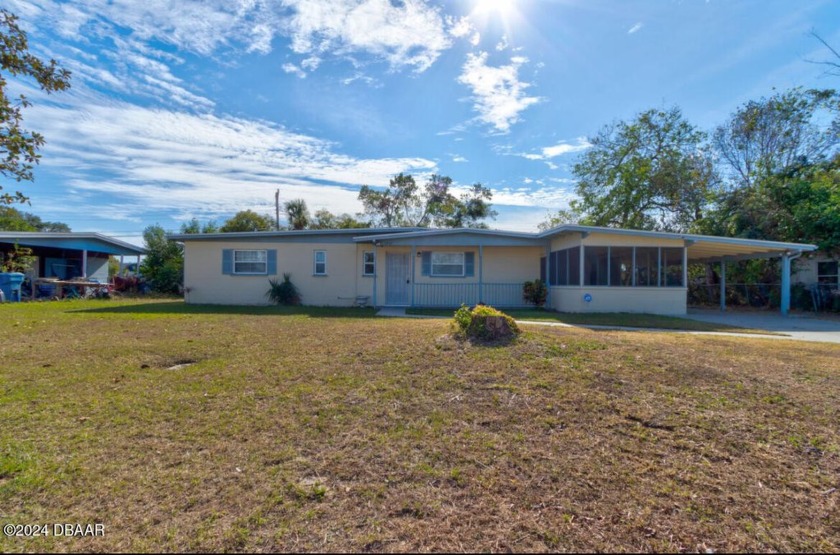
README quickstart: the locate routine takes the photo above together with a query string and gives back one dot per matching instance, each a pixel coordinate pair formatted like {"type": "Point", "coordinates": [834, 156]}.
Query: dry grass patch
{"type": "Point", "coordinates": [293, 432]}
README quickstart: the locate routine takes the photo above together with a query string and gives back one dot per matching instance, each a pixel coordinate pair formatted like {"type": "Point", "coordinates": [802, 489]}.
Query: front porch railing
{"type": "Point", "coordinates": [449, 295]}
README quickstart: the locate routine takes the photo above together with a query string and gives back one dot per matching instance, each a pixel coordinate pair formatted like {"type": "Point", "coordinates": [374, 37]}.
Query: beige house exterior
{"type": "Point", "coordinates": [588, 269]}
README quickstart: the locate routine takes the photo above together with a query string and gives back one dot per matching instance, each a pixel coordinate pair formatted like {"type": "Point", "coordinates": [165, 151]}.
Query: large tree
{"type": "Point", "coordinates": [297, 213]}
{"type": "Point", "coordinates": [405, 204]}
{"type": "Point", "coordinates": [248, 220]}
{"type": "Point", "coordinates": [19, 146]}
{"type": "Point", "coordinates": [763, 137]}
{"type": "Point", "coordinates": [648, 173]}
{"type": "Point", "coordinates": [12, 219]}
{"type": "Point", "coordinates": [800, 204]}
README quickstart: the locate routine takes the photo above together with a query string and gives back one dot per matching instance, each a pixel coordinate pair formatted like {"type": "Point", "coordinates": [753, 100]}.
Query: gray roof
{"type": "Point", "coordinates": [76, 240]}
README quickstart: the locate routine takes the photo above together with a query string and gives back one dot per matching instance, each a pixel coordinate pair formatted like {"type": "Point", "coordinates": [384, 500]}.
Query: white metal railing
{"type": "Point", "coordinates": [449, 295]}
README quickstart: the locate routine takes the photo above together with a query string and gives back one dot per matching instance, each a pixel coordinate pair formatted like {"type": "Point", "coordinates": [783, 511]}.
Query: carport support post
{"type": "Point", "coordinates": [481, 273]}
{"type": "Point", "coordinates": [84, 263]}
{"type": "Point", "coordinates": [723, 285]}
{"type": "Point", "coordinates": [785, 284]}
{"type": "Point", "coordinates": [413, 271]}
{"type": "Point", "coordinates": [375, 272]}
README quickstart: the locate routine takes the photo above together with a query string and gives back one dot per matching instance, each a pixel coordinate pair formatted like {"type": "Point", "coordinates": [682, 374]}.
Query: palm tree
{"type": "Point", "coordinates": [297, 213]}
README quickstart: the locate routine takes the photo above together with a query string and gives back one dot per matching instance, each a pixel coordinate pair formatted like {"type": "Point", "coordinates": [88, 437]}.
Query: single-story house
{"type": "Point", "coordinates": [68, 255]}
{"type": "Point", "coordinates": [588, 269]}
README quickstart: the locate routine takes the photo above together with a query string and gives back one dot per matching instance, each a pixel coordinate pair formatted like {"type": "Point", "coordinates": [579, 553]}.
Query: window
{"type": "Point", "coordinates": [827, 272]}
{"type": "Point", "coordinates": [564, 267]}
{"type": "Point", "coordinates": [447, 264]}
{"type": "Point", "coordinates": [647, 266]}
{"type": "Point", "coordinates": [672, 267]}
{"type": "Point", "coordinates": [369, 259]}
{"type": "Point", "coordinates": [617, 266]}
{"type": "Point", "coordinates": [320, 263]}
{"type": "Point", "coordinates": [250, 262]}
{"type": "Point", "coordinates": [621, 266]}
{"type": "Point", "coordinates": [595, 264]}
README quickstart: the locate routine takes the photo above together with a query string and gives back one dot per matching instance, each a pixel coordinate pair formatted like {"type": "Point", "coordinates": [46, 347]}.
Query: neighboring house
{"type": "Point", "coordinates": [589, 269]}
{"type": "Point", "coordinates": [819, 268]}
{"type": "Point", "coordinates": [68, 255]}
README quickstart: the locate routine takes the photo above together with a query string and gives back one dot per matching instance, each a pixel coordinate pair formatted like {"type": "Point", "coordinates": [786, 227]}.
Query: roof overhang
{"type": "Point", "coordinates": [460, 237]}
{"type": "Point", "coordinates": [94, 242]}
{"type": "Point", "coordinates": [701, 248]}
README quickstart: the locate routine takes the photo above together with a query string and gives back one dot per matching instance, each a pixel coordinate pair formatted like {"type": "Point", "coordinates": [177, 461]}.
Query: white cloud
{"type": "Point", "coordinates": [561, 148]}
{"type": "Point", "coordinates": [459, 158]}
{"type": "Point", "coordinates": [292, 68]}
{"type": "Point", "coordinates": [635, 28]}
{"type": "Point", "coordinates": [409, 33]}
{"type": "Point", "coordinates": [178, 163]}
{"type": "Point", "coordinates": [498, 94]}
{"type": "Point", "coordinates": [503, 43]}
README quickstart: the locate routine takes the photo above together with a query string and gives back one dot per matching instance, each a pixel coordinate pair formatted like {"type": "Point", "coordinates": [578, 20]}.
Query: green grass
{"type": "Point", "coordinates": [188, 428]}
{"type": "Point", "coordinates": [618, 319]}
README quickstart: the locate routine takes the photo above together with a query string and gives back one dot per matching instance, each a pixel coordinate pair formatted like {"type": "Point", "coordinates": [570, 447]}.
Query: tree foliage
{"type": "Point", "coordinates": [406, 204]}
{"type": "Point", "coordinates": [324, 219]}
{"type": "Point", "coordinates": [648, 173]}
{"type": "Point", "coordinates": [194, 227]}
{"type": "Point", "coordinates": [163, 265]}
{"type": "Point", "coordinates": [18, 146]}
{"type": "Point", "coordinates": [297, 213]}
{"type": "Point", "coordinates": [248, 220]}
{"type": "Point", "coordinates": [765, 136]}
{"type": "Point", "coordinates": [12, 219]}
{"type": "Point", "coordinates": [800, 205]}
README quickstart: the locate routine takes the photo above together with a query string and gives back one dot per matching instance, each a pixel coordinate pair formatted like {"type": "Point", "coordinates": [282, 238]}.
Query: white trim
{"type": "Point", "coordinates": [315, 263]}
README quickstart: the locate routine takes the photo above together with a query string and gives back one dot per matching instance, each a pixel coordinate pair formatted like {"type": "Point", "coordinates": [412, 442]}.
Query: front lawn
{"type": "Point", "coordinates": [264, 429]}
{"type": "Point", "coordinates": [616, 319]}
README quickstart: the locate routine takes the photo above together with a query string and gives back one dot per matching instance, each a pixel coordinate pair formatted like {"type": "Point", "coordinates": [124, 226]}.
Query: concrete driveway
{"type": "Point", "coordinates": [801, 327]}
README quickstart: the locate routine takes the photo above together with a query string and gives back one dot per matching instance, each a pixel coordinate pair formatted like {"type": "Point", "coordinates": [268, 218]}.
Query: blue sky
{"type": "Point", "coordinates": [185, 109]}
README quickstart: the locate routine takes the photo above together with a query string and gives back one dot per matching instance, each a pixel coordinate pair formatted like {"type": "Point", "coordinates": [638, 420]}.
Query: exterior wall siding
{"type": "Point", "coordinates": [669, 301]}
{"type": "Point", "coordinates": [205, 283]}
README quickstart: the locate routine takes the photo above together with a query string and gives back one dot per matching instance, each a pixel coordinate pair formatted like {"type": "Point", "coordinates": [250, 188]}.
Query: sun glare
{"type": "Point", "coordinates": [501, 7]}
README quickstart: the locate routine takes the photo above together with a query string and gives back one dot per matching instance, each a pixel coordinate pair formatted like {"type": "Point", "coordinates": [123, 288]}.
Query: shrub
{"type": "Point", "coordinates": [535, 292]}
{"type": "Point", "coordinates": [484, 323]}
{"type": "Point", "coordinates": [283, 292]}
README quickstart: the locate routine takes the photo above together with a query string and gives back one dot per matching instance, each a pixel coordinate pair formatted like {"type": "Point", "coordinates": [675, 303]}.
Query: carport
{"type": "Point", "coordinates": [724, 250]}
{"type": "Point", "coordinates": [69, 255]}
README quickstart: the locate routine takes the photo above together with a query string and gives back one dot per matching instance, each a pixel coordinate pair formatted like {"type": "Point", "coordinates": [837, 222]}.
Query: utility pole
{"type": "Point", "coordinates": [277, 210]}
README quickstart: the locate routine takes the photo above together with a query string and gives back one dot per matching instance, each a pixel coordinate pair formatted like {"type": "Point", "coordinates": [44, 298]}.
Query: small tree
{"type": "Point", "coordinates": [163, 266]}
{"type": "Point", "coordinates": [19, 260]}
{"type": "Point", "coordinates": [535, 292]}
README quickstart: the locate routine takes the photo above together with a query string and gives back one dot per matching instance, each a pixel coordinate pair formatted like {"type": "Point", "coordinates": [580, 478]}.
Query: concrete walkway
{"type": "Point", "coordinates": [801, 327]}
{"type": "Point", "coordinates": [796, 328]}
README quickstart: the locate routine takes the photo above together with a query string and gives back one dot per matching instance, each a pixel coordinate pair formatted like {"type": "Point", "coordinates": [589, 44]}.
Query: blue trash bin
{"type": "Point", "coordinates": [10, 284]}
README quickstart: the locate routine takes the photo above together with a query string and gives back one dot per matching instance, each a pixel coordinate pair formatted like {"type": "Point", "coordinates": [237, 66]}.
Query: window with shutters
{"type": "Point", "coordinates": [250, 262]}
{"type": "Point", "coordinates": [448, 264]}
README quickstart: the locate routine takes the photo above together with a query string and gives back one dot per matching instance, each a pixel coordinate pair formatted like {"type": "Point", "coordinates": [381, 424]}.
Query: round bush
{"type": "Point", "coordinates": [485, 323]}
